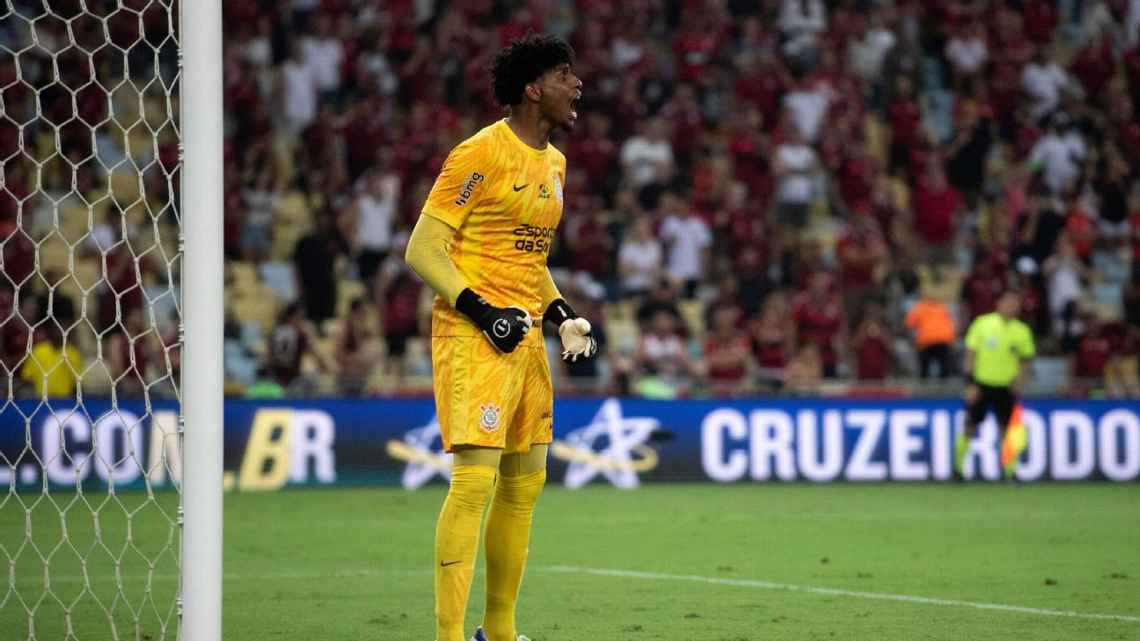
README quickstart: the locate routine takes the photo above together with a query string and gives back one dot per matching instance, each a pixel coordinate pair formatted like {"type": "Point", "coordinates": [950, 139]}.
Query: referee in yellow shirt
{"type": "Point", "coordinates": [998, 349]}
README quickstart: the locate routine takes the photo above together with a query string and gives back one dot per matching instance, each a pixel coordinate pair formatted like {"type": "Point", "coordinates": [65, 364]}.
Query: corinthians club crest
{"type": "Point", "coordinates": [489, 417]}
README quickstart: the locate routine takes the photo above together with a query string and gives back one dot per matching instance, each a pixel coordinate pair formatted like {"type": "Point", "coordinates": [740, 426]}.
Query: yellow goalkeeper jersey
{"type": "Point", "coordinates": [504, 198]}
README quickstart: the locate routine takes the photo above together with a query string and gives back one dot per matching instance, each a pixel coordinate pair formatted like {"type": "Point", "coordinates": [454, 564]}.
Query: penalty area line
{"type": "Point", "coordinates": [856, 594]}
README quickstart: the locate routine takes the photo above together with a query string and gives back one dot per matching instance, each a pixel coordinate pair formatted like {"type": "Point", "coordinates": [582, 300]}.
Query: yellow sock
{"type": "Point", "coordinates": [506, 540]}
{"type": "Point", "coordinates": [456, 543]}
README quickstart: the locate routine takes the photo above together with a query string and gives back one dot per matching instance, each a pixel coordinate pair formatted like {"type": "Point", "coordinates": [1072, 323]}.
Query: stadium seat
{"type": "Point", "coordinates": [260, 308]}
{"type": "Point", "coordinates": [243, 277]}
{"type": "Point", "coordinates": [347, 290]}
{"type": "Point", "coordinates": [1050, 373]}
{"type": "Point", "coordinates": [693, 314]}
{"type": "Point", "coordinates": [622, 334]}
{"type": "Point", "coordinates": [279, 276]}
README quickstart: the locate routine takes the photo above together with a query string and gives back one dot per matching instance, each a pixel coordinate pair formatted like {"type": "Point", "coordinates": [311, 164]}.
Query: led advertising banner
{"type": "Point", "coordinates": [623, 442]}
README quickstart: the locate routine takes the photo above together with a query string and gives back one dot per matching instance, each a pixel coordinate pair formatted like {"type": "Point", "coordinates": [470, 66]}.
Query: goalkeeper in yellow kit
{"type": "Point", "coordinates": [481, 243]}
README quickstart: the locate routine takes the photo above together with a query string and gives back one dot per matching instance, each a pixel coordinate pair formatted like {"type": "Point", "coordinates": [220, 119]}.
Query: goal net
{"type": "Point", "coordinates": [90, 320]}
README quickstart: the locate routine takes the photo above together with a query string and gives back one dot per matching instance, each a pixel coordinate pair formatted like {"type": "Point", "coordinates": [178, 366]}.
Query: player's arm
{"type": "Point", "coordinates": [576, 333]}
{"type": "Point", "coordinates": [427, 255]}
{"type": "Point", "coordinates": [460, 186]}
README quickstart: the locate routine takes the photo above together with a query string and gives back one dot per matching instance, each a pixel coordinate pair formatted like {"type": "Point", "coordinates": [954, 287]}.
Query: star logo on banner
{"type": "Point", "coordinates": [611, 445]}
{"type": "Point", "coordinates": [425, 458]}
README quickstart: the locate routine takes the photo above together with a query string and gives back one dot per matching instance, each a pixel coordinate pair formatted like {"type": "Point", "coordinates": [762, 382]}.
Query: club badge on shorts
{"type": "Point", "coordinates": [489, 419]}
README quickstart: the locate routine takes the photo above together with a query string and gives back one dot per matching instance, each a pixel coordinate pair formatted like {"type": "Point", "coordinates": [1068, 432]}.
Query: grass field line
{"type": "Point", "coordinates": [788, 587]}
{"type": "Point", "coordinates": [625, 574]}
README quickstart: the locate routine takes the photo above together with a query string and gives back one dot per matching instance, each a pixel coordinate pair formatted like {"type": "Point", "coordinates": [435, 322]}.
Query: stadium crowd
{"type": "Point", "coordinates": [763, 195]}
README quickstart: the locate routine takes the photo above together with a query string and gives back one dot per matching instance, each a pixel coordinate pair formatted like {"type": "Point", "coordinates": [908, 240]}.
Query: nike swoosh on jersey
{"type": "Point", "coordinates": [522, 187]}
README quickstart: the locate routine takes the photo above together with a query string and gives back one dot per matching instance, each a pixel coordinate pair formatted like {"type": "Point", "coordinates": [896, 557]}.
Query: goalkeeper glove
{"type": "Point", "coordinates": [577, 339]}
{"type": "Point", "coordinates": [504, 327]}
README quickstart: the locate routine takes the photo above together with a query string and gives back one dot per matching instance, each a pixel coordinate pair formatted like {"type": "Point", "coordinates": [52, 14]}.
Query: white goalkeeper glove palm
{"type": "Point", "coordinates": [577, 341]}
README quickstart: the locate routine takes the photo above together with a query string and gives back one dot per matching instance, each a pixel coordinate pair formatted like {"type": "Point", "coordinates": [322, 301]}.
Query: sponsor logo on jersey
{"type": "Point", "coordinates": [489, 418]}
{"type": "Point", "coordinates": [533, 238]}
{"type": "Point", "coordinates": [469, 188]}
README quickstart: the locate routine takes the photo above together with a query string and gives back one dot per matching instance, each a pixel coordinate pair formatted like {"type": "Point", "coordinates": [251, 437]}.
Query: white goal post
{"type": "Point", "coordinates": [202, 379]}
{"type": "Point", "coordinates": [111, 316]}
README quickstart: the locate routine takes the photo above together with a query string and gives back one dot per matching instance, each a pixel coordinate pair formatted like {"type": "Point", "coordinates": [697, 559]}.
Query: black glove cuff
{"type": "Point", "coordinates": [471, 304]}
{"type": "Point", "coordinates": [558, 312]}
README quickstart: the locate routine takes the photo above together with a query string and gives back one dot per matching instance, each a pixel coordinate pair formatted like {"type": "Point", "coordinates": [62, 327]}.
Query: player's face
{"type": "Point", "coordinates": [1009, 306]}
{"type": "Point", "coordinates": [561, 90]}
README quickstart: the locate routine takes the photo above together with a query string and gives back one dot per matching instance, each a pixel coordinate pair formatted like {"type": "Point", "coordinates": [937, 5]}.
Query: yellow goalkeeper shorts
{"type": "Point", "coordinates": [489, 399]}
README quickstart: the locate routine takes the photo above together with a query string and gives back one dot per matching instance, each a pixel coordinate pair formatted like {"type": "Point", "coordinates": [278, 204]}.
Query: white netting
{"type": "Point", "coordinates": [89, 320]}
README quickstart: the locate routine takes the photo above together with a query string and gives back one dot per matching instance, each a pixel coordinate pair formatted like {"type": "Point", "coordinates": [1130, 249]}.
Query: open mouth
{"type": "Point", "coordinates": [574, 106]}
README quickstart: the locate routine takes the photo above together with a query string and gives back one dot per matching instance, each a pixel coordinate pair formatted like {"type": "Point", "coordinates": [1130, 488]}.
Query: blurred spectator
{"type": "Point", "coordinates": [662, 354]}
{"type": "Point", "coordinates": [1060, 154]}
{"type": "Point", "coordinates": [801, 23]}
{"type": "Point", "coordinates": [1038, 229]}
{"type": "Point", "coordinates": [688, 238]}
{"type": "Point", "coordinates": [662, 297]}
{"type": "Point", "coordinates": [292, 340]}
{"type": "Point", "coordinates": [965, 166]}
{"type": "Point", "coordinates": [53, 366]}
{"type": "Point", "coordinates": [314, 258]}
{"type": "Point", "coordinates": [773, 336]}
{"type": "Point", "coordinates": [647, 157]}
{"type": "Point", "coordinates": [934, 334]}
{"type": "Point", "coordinates": [806, 106]}
{"type": "Point", "coordinates": [323, 54]}
{"type": "Point", "coordinates": [15, 334]}
{"type": "Point", "coordinates": [871, 345]}
{"type": "Point", "coordinates": [862, 261]}
{"type": "Point", "coordinates": [374, 214]}
{"type": "Point", "coordinates": [127, 353]}
{"type": "Point", "coordinates": [727, 357]}
{"type": "Point", "coordinates": [640, 260]}
{"type": "Point", "coordinates": [397, 294]}
{"type": "Point", "coordinates": [1122, 373]}
{"type": "Point", "coordinates": [588, 241]}
{"type": "Point", "coordinates": [805, 370]}
{"type": "Point", "coordinates": [982, 288]}
{"type": "Point", "coordinates": [818, 317]}
{"type": "Point", "coordinates": [967, 52]}
{"type": "Point", "coordinates": [905, 119]}
{"type": "Point", "coordinates": [794, 167]}
{"type": "Point", "coordinates": [937, 210]}
{"type": "Point", "coordinates": [868, 50]}
{"type": "Point", "coordinates": [297, 87]}
{"type": "Point", "coordinates": [1067, 276]}
{"type": "Point", "coordinates": [595, 153]}
{"type": "Point", "coordinates": [1044, 81]}
{"type": "Point", "coordinates": [356, 349]}
{"type": "Point", "coordinates": [1080, 227]}
{"type": "Point", "coordinates": [1093, 351]}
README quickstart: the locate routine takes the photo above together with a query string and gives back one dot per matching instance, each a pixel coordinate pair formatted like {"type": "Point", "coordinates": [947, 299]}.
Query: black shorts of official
{"type": "Point", "coordinates": [999, 399]}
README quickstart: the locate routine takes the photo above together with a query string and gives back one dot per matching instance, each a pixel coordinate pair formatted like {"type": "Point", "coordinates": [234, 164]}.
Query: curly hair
{"type": "Point", "coordinates": [523, 62]}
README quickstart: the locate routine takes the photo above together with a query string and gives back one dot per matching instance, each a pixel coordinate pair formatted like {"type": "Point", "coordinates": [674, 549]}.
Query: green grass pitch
{"type": "Point", "coordinates": [665, 562]}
